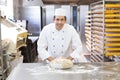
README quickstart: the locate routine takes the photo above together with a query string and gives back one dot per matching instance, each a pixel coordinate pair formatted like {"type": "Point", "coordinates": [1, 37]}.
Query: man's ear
{"type": "Point", "coordinates": [53, 19]}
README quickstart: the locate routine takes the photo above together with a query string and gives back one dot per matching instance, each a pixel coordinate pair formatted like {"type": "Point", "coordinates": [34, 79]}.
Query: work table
{"type": "Point", "coordinates": [80, 71]}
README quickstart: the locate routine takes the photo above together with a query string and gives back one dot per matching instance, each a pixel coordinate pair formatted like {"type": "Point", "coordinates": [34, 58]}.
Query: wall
{"type": "Point", "coordinates": [32, 3]}
{"type": "Point", "coordinates": [33, 15]}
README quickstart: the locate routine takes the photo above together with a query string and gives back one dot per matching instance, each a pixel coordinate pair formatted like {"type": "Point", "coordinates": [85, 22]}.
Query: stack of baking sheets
{"type": "Point", "coordinates": [105, 29]}
{"type": "Point", "coordinates": [112, 29]}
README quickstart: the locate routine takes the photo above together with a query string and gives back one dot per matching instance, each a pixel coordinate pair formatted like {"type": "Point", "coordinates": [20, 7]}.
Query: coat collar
{"type": "Point", "coordinates": [62, 30]}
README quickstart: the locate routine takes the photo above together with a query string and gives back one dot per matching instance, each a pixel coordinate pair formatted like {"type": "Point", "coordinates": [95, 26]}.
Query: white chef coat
{"type": "Point", "coordinates": [65, 42]}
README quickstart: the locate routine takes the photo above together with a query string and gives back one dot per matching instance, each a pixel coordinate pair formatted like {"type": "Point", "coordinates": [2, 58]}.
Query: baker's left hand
{"type": "Point", "coordinates": [70, 58]}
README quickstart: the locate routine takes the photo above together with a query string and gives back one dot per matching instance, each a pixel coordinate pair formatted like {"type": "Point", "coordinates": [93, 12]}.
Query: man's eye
{"type": "Point", "coordinates": [57, 19]}
{"type": "Point", "coordinates": [62, 19]}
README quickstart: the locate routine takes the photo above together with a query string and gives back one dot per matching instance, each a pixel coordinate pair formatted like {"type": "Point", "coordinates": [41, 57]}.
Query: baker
{"type": "Point", "coordinates": [59, 39]}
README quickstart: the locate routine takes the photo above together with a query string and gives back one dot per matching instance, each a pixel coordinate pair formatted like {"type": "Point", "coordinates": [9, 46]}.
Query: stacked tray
{"type": "Point", "coordinates": [105, 29]}
{"type": "Point", "coordinates": [112, 29]}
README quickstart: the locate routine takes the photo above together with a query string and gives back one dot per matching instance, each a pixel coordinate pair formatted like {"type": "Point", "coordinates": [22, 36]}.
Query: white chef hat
{"type": "Point", "coordinates": [60, 12]}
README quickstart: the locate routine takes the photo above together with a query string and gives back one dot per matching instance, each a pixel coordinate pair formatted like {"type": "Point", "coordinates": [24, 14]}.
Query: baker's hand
{"type": "Point", "coordinates": [50, 58]}
{"type": "Point", "coordinates": [70, 58]}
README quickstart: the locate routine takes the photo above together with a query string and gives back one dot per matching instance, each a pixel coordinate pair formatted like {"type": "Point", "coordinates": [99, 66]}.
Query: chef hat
{"type": "Point", "coordinates": [60, 12]}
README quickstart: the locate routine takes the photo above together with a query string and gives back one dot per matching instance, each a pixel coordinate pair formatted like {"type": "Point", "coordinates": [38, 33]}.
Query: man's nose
{"type": "Point", "coordinates": [59, 21]}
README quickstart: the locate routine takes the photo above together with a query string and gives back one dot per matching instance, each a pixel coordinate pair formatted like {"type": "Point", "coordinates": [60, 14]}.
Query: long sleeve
{"type": "Point", "coordinates": [76, 44]}
{"type": "Point", "coordinates": [42, 46]}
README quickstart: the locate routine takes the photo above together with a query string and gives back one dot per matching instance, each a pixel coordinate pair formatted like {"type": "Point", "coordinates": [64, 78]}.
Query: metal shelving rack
{"type": "Point", "coordinates": [3, 58]}
{"type": "Point", "coordinates": [97, 31]}
{"type": "Point", "coordinates": [88, 31]}
{"type": "Point", "coordinates": [105, 30]}
{"type": "Point", "coordinates": [3, 63]}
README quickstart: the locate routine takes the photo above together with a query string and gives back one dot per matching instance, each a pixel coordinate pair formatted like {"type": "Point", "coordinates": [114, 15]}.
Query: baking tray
{"type": "Point", "coordinates": [112, 39]}
{"type": "Point", "coordinates": [112, 29]}
{"type": "Point", "coordinates": [112, 53]}
{"type": "Point", "coordinates": [112, 44]}
{"type": "Point", "coordinates": [112, 5]}
{"type": "Point", "coordinates": [111, 15]}
{"type": "Point", "coordinates": [112, 20]}
{"type": "Point", "coordinates": [112, 35]}
{"type": "Point", "coordinates": [112, 49]}
{"type": "Point", "coordinates": [111, 11]}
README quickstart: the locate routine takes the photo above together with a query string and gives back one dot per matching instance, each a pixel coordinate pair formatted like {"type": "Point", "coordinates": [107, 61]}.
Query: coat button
{"type": "Point", "coordinates": [53, 45]}
{"type": "Point", "coordinates": [62, 45]}
{"type": "Point", "coordinates": [54, 51]}
{"type": "Point", "coordinates": [62, 52]}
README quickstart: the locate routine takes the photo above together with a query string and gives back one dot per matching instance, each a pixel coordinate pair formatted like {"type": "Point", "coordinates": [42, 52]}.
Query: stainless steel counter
{"type": "Point", "coordinates": [81, 71]}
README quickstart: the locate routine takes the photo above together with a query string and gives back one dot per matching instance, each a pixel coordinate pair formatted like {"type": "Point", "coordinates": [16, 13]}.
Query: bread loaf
{"type": "Point", "coordinates": [61, 63]}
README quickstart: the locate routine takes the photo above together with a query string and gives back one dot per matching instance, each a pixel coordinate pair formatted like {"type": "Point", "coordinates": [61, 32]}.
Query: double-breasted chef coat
{"type": "Point", "coordinates": [65, 42]}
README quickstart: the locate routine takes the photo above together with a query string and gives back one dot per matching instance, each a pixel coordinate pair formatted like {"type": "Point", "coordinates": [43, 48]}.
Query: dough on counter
{"type": "Point", "coordinates": [61, 63]}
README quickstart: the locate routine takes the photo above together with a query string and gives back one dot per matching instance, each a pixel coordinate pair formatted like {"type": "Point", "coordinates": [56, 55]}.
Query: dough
{"type": "Point", "coordinates": [61, 63]}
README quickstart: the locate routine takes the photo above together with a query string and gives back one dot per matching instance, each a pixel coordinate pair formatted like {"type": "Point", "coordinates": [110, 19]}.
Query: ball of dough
{"type": "Point", "coordinates": [61, 63]}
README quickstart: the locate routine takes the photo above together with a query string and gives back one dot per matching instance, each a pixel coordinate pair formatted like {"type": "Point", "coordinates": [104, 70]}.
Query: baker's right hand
{"type": "Point", "coordinates": [50, 58]}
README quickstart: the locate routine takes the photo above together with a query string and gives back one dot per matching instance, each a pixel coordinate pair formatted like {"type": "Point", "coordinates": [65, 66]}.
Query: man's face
{"type": "Point", "coordinates": [59, 22]}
